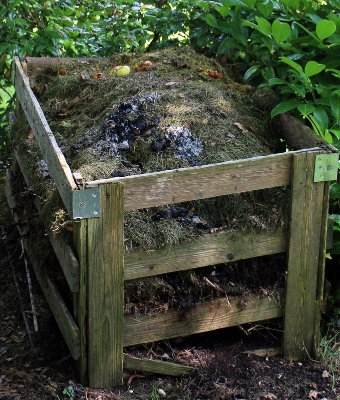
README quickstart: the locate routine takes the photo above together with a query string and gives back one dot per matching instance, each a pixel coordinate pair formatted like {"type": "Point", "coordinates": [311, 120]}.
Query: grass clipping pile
{"type": "Point", "coordinates": [175, 109]}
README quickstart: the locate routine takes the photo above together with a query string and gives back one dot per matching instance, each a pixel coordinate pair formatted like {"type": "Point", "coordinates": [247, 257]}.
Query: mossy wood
{"type": "Point", "coordinates": [167, 187]}
{"type": "Point", "coordinates": [206, 250]}
{"type": "Point", "coordinates": [307, 237]}
{"type": "Point", "coordinates": [102, 329]}
{"type": "Point", "coordinates": [58, 166]}
{"type": "Point", "coordinates": [62, 249]}
{"type": "Point", "coordinates": [217, 314]}
{"type": "Point", "coordinates": [156, 366]}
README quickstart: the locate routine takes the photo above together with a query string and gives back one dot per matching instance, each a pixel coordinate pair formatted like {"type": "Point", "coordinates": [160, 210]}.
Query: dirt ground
{"type": "Point", "coordinates": [38, 366]}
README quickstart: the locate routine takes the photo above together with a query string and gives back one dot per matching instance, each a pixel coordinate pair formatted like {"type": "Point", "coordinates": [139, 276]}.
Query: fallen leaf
{"type": "Point", "coordinates": [270, 396]}
{"type": "Point", "coordinates": [98, 75]}
{"type": "Point", "coordinates": [62, 71]}
{"type": "Point", "coordinates": [181, 95]}
{"type": "Point", "coordinates": [313, 394]}
{"type": "Point", "coordinates": [143, 66]}
{"type": "Point", "coordinates": [230, 135]}
{"type": "Point", "coordinates": [170, 83]}
{"type": "Point", "coordinates": [85, 77]}
{"type": "Point", "coordinates": [240, 126]}
{"type": "Point", "coordinates": [215, 75]}
{"type": "Point", "coordinates": [30, 135]}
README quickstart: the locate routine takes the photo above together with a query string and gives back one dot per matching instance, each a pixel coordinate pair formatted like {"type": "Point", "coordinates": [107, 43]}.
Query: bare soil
{"type": "Point", "coordinates": [226, 368]}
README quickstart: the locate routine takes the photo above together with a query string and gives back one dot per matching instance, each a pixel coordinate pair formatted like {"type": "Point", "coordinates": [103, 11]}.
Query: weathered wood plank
{"type": "Point", "coordinates": [68, 262]}
{"type": "Point", "coordinates": [329, 237]}
{"type": "Point", "coordinates": [57, 305]}
{"type": "Point", "coordinates": [36, 65]}
{"type": "Point", "coordinates": [206, 250]}
{"type": "Point", "coordinates": [105, 250]}
{"type": "Point", "coordinates": [303, 258]}
{"type": "Point", "coordinates": [52, 154]}
{"type": "Point", "coordinates": [322, 265]}
{"type": "Point", "coordinates": [217, 314]}
{"type": "Point", "coordinates": [80, 298]}
{"type": "Point", "coordinates": [156, 366]}
{"type": "Point", "coordinates": [184, 184]}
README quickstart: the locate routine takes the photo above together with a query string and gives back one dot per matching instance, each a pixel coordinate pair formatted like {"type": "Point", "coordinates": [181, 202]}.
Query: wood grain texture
{"type": "Point", "coordinates": [80, 298]}
{"type": "Point", "coordinates": [206, 250]}
{"type": "Point", "coordinates": [217, 314]}
{"type": "Point", "coordinates": [303, 258]}
{"type": "Point", "coordinates": [156, 366]}
{"type": "Point", "coordinates": [52, 154]}
{"type": "Point", "coordinates": [322, 265]}
{"type": "Point", "coordinates": [184, 184]}
{"type": "Point", "coordinates": [61, 313]}
{"type": "Point", "coordinates": [105, 255]}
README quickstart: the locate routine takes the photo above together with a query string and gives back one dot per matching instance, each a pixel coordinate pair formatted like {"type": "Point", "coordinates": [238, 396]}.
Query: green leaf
{"type": "Point", "coordinates": [223, 10]}
{"type": "Point", "coordinates": [292, 64]}
{"type": "Point", "coordinates": [250, 72]}
{"type": "Point", "coordinates": [299, 89]}
{"type": "Point", "coordinates": [328, 137]}
{"type": "Point", "coordinates": [285, 106]}
{"type": "Point", "coordinates": [276, 81]}
{"type": "Point", "coordinates": [305, 109]}
{"type": "Point", "coordinates": [211, 20]}
{"type": "Point", "coordinates": [335, 132]}
{"type": "Point", "coordinates": [269, 43]}
{"type": "Point", "coordinates": [321, 118]}
{"type": "Point", "coordinates": [280, 31]}
{"type": "Point", "coordinates": [264, 25]}
{"type": "Point", "coordinates": [325, 28]}
{"type": "Point", "coordinates": [335, 191]}
{"type": "Point", "coordinates": [335, 106]}
{"type": "Point", "coordinates": [313, 68]}
{"type": "Point", "coordinates": [250, 3]}
{"type": "Point", "coordinates": [265, 7]}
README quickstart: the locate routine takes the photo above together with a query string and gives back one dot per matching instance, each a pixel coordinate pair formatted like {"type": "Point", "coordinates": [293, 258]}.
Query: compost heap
{"type": "Point", "coordinates": [175, 109]}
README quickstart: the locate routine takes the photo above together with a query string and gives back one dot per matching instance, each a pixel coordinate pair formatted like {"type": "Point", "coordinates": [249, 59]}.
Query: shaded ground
{"type": "Point", "coordinates": [226, 368]}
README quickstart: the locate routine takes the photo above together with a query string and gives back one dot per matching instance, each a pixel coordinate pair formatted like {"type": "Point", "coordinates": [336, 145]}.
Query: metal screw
{"type": "Point", "coordinates": [328, 168]}
{"type": "Point", "coordinates": [81, 205]}
{"type": "Point", "coordinates": [95, 212]}
{"type": "Point", "coordinates": [321, 175]}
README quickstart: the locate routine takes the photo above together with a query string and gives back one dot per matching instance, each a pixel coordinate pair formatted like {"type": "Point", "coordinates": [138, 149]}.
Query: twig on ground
{"type": "Point", "coordinates": [22, 308]}
{"type": "Point", "coordinates": [35, 320]}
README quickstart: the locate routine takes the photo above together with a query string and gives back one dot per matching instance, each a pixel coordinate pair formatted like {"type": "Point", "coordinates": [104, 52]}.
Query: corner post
{"type": "Point", "coordinates": [304, 275]}
{"type": "Point", "coordinates": [105, 290]}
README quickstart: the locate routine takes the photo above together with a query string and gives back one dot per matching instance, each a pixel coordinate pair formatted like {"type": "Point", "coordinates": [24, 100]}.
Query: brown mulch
{"type": "Point", "coordinates": [226, 368]}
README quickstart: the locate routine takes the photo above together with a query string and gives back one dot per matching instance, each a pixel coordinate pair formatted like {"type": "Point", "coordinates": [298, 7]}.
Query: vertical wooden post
{"type": "Point", "coordinates": [105, 290]}
{"type": "Point", "coordinates": [80, 298]}
{"type": "Point", "coordinates": [306, 232]}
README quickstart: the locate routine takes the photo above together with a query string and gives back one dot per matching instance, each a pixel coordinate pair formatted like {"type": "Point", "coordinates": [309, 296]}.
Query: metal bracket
{"type": "Point", "coordinates": [326, 167]}
{"type": "Point", "coordinates": [86, 203]}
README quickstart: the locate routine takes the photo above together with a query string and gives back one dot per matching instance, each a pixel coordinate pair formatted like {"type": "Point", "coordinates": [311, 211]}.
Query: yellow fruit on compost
{"type": "Point", "coordinates": [123, 70]}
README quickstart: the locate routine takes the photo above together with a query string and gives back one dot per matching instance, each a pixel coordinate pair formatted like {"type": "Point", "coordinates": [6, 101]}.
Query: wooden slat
{"type": "Point", "coordinates": [221, 313]}
{"type": "Point", "coordinates": [322, 265]}
{"type": "Point", "coordinates": [184, 184]}
{"type": "Point", "coordinates": [68, 262]}
{"type": "Point", "coordinates": [36, 65]}
{"type": "Point", "coordinates": [80, 298]}
{"type": "Point", "coordinates": [303, 258]}
{"type": "Point", "coordinates": [57, 305]}
{"type": "Point", "coordinates": [105, 277]}
{"type": "Point", "coordinates": [206, 250]}
{"type": "Point", "coordinates": [52, 154]}
{"type": "Point", "coordinates": [156, 366]}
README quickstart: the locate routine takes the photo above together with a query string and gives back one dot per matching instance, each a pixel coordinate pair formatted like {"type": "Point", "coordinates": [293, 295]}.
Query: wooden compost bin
{"type": "Point", "coordinates": [97, 330]}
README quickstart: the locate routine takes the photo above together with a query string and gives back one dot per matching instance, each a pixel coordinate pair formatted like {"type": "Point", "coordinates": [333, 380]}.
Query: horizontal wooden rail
{"type": "Point", "coordinates": [216, 314]}
{"type": "Point", "coordinates": [156, 366]}
{"type": "Point", "coordinates": [210, 249]}
{"type": "Point", "coordinates": [50, 150]}
{"type": "Point", "coordinates": [195, 183]}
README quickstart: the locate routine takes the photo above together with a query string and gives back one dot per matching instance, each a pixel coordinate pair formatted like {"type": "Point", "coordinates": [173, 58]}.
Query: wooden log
{"type": "Point", "coordinates": [52, 154]}
{"type": "Point", "coordinates": [298, 135]}
{"type": "Point", "coordinates": [68, 262]}
{"type": "Point", "coordinates": [80, 298]}
{"type": "Point", "coordinates": [184, 184]}
{"type": "Point", "coordinates": [216, 314]}
{"type": "Point", "coordinates": [61, 313]}
{"type": "Point", "coordinates": [156, 366]}
{"type": "Point", "coordinates": [105, 277]}
{"type": "Point", "coordinates": [206, 250]}
{"type": "Point", "coordinates": [303, 258]}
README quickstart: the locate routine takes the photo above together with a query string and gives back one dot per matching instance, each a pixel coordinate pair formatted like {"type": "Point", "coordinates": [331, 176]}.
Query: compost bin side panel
{"type": "Point", "coordinates": [303, 258]}
{"type": "Point", "coordinates": [105, 255]}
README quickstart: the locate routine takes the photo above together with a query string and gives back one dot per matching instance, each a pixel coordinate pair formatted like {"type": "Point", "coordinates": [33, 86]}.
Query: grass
{"type": "Point", "coordinates": [329, 352]}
